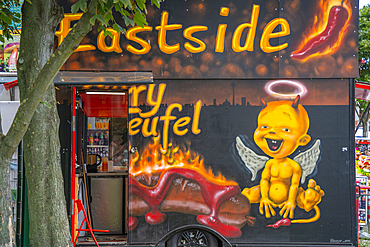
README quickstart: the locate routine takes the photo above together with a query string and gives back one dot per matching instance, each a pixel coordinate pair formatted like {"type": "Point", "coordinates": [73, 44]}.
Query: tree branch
{"type": "Point", "coordinates": [45, 78]}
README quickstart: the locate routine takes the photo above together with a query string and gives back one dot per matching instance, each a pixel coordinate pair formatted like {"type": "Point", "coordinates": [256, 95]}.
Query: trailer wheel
{"type": "Point", "coordinates": [193, 238]}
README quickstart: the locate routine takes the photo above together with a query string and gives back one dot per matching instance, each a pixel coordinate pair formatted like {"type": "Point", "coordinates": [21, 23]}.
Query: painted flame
{"type": "Point", "coordinates": [319, 25]}
{"type": "Point", "coordinates": [154, 159]}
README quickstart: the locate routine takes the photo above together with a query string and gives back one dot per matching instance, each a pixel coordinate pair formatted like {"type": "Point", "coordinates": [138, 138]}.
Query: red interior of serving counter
{"type": "Point", "coordinates": [105, 105]}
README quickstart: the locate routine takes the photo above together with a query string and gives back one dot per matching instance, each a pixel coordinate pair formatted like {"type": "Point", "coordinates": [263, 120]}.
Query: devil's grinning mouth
{"type": "Point", "coordinates": [273, 145]}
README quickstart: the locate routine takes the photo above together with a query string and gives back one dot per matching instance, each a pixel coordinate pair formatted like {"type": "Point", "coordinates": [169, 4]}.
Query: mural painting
{"type": "Point", "coordinates": [239, 132]}
{"type": "Point", "coordinates": [282, 127]}
{"type": "Point", "coordinates": [196, 162]}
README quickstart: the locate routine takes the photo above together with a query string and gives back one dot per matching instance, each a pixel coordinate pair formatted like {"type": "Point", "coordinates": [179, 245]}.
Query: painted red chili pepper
{"type": "Point", "coordinates": [338, 16]}
{"type": "Point", "coordinates": [282, 222]}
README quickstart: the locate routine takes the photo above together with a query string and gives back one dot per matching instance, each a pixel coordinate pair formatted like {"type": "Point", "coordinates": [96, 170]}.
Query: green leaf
{"type": "Point", "coordinates": [126, 13]}
{"type": "Point", "coordinates": [139, 19]}
{"type": "Point", "coordinates": [128, 21]}
{"type": "Point", "coordinates": [127, 3]}
{"type": "Point", "coordinates": [29, 1]}
{"type": "Point", "coordinates": [18, 15]}
{"type": "Point", "coordinates": [101, 10]}
{"type": "Point", "coordinates": [5, 18]}
{"type": "Point", "coordinates": [116, 27]}
{"type": "Point", "coordinates": [118, 8]}
{"type": "Point", "coordinates": [156, 3]}
{"type": "Point", "coordinates": [108, 17]}
{"type": "Point", "coordinates": [108, 6]}
{"type": "Point", "coordinates": [81, 4]}
{"type": "Point", "coordinates": [101, 27]}
{"type": "Point", "coordinates": [93, 19]}
{"type": "Point", "coordinates": [141, 4]}
{"type": "Point", "coordinates": [7, 12]}
{"type": "Point", "coordinates": [47, 104]}
{"type": "Point", "coordinates": [101, 19]}
{"type": "Point", "coordinates": [106, 32]}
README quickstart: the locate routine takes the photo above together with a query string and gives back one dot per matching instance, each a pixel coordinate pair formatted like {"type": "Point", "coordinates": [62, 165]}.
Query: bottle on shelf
{"type": "Point", "coordinates": [91, 139]}
{"type": "Point", "coordinates": [106, 123]}
{"type": "Point", "coordinates": [106, 138]}
{"type": "Point", "coordinates": [101, 139]}
{"type": "Point", "coordinates": [96, 138]}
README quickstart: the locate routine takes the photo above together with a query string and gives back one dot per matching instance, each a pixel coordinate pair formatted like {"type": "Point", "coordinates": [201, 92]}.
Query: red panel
{"type": "Point", "coordinates": [105, 105]}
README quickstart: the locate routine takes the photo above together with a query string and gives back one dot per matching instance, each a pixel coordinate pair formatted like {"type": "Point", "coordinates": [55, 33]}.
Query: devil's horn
{"type": "Point", "coordinates": [263, 103]}
{"type": "Point", "coordinates": [296, 101]}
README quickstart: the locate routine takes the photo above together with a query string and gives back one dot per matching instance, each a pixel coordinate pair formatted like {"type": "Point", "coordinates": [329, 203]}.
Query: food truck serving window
{"type": "Point", "coordinates": [99, 148]}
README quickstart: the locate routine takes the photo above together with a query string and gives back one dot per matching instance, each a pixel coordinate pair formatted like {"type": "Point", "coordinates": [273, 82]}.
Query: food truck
{"type": "Point", "coordinates": [217, 124]}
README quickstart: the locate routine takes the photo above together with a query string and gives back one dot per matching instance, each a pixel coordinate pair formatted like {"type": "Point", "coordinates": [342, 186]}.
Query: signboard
{"type": "Point", "coordinates": [237, 39]}
{"type": "Point", "coordinates": [362, 201]}
{"type": "Point", "coordinates": [243, 157]}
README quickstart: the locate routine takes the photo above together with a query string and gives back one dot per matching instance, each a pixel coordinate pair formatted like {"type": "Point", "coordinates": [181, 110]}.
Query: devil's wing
{"type": "Point", "coordinates": [252, 161]}
{"type": "Point", "coordinates": [308, 159]}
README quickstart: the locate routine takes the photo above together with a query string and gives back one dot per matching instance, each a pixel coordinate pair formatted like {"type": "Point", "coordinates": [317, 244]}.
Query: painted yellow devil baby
{"type": "Point", "coordinates": [282, 128]}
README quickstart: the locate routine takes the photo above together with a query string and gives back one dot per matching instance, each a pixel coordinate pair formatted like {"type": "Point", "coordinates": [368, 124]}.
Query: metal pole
{"type": "Point", "coordinates": [73, 163]}
{"type": "Point", "coordinates": [19, 195]}
{"type": "Point", "coordinates": [362, 117]}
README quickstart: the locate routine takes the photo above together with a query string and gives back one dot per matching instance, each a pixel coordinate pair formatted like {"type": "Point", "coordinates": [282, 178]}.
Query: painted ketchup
{"type": "Point", "coordinates": [214, 195]}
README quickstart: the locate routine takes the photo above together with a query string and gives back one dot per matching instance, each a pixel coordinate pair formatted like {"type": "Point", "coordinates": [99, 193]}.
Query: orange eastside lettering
{"type": "Point", "coordinates": [114, 47]}
{"type": "Point", "coordinates": [268, 34]}
{"type": "Point", "coordinates": [131, 35]}
{"type": "Point", "coordinates": [162, 32]}
{"type": "Point", "coordinates": [248, 46]}
{"type": "Point", "coordinates": [65, 27]}
{"type": "Point", "coordinates": [193, 44]}
{"type": "Point", "coordinates": [188, 35]}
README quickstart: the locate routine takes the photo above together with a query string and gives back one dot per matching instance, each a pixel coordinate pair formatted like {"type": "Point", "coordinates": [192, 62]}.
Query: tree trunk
{"type": "Point", "coordinates": [46, 202]}
{"type": "Point", "coordinates": [6, 214]}
{"type": "Point", "coordinates": [364, 124]}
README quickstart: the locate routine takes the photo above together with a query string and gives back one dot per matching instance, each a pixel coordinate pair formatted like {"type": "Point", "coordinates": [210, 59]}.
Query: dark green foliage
{"type": "Point", "coordinates": [364, 43]}
{"type": "Point", "coordinates": [9, 18]}
{"type": "Point", "coordinates": [132, 12]}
